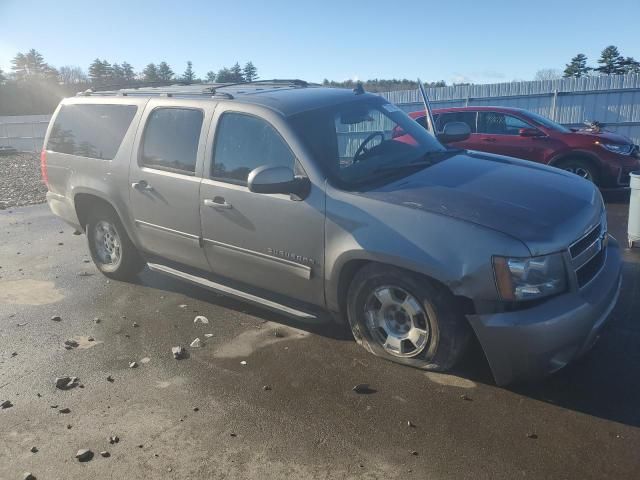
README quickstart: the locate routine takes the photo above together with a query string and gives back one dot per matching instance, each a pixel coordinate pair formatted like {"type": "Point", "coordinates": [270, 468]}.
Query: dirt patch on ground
{"type": "Point", "coordinates": [29, 292]}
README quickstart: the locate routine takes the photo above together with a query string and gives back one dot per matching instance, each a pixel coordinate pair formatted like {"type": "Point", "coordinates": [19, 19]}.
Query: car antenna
{"type": "Point", "coordinates": [427, 108]}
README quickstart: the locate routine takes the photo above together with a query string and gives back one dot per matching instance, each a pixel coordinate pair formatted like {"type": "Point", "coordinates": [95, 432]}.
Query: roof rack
{"type": "Point", "coordinates": [171, 90]}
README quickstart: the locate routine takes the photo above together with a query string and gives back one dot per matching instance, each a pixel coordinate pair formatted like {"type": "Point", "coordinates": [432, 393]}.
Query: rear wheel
{"type": "Point", "coordinates": [112, 250]}
{"type": "Point", "coordinates": [406, 318]}
{"type": "Point", "coordinates": [582, 168]}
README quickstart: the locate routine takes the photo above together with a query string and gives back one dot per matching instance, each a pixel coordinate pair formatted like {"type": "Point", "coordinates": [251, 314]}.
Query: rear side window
{"type": "Point", "coordinates": [465, 117]}
{"type": "Point", "coordinates": [245, 142]}
{"type": "Point", "coordinates": [171, 139]}
{"type": "Point", "coordinates": [495, 123]}
{"type": "Point", "coordinates": [93, 131]}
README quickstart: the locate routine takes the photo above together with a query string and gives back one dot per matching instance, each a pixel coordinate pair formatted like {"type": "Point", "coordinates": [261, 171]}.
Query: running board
{"type": "Point", "coordinates": [232, 292]}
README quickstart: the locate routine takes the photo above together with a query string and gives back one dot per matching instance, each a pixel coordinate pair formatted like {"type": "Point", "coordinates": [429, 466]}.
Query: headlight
{"type": "Point", "coordinates": [529, 278]}
{"type": "Point", "coordinates": [615, 148]}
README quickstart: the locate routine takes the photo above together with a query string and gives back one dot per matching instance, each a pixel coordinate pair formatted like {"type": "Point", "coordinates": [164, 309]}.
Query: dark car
{"type": "Point", "coordinates": [603, 157]}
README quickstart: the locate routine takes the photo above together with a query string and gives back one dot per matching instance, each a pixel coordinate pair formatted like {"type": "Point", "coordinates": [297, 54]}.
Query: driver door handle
{"type": "Point", "coordinates": [217, 202]}
{"type": "Point", "coordinates": [141, 185]}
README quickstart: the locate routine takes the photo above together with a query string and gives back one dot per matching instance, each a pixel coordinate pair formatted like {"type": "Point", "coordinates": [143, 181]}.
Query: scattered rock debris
{"type": "Point", "coordinates": [114, 439]}
{"type": "Point", "coordinates": [233, 434]}
{"type": "Point", "coordinates": [196, 343]}
{"type": "Point", "coordinates": [208, 335]}
{"type": "Point", "coordinates": [278, 334]}
{"type": "Point", "coordinates": [56, 318]}
{"type": "Point", "coordinates": [413, 452]}
{"type": "Point", "coordinates": [105, 454]}
{"type": "Point", "coordinates": [66, 383]}
{"type": "Point", "coordinates": [266, 388]}
{"type": "Point", "coordinates": [28, 476]}
{"type": "Point", "coordinates": [135, 324]}
{"type": "Point", "coordinates": [69, 427]}
{"type": "Point", "coordinates": [84, 455]}
{"type": "Point", "coordinates": [70, 343]}
{"type": "Point", "coordinates": [14, 354]}
{"type": "Point", "coordinates": [6, 404]}
{"type": "Point", "coordinates": [96, 320]}
{"type": "Point", "coordinates": [133, 364]}
{"type": "Point", "coordinates": [110, 379]}
{"type": "Point", "coordinates": [201, 319]}
{"type": "Point", "coordinates": [65, 410]}
{"type": "Point", "coordinates": [182, 306]}
{"type": "Point", "coordinates": [466, 398]}
{"type": "Point", "coordinates": [34, 450]}
{"type": "Point", "coordinates": [243, 362]}
{"type": "Point", "coordinates": [178, 352]}
{"type": "Point", "coordinates": [363, 388]}
{"type": "Point", "coordinates": [410, 424]}
{"type": "Point", "coordinates": [196, 409]}
{"type": "Point", "coordinates": [533, 436]}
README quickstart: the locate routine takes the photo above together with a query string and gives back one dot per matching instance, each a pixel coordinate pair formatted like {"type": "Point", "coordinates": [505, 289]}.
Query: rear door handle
{"type": "Point", "coordinates": [141, 185]}
{"type": "Point", "coordinates": [488, 139]}
{"type": "Point", "coordinates": [217, 202]}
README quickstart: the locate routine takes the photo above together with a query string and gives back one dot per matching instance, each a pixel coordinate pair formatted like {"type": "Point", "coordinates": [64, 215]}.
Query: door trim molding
{"type": "Point", "coordinates": [141, 223]}
{"type": "Point", "coordinates": [301, 270]}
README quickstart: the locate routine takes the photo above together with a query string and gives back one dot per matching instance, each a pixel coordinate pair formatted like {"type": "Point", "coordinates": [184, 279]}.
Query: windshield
{"type": "Point", "coordinates": [548, 123]}
{"type": "Point", "coordinates": [365, 141]}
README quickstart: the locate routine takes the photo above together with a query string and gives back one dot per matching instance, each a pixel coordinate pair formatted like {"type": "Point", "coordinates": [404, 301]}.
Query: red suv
{"type": "Point", "coordinates": [603, 157]}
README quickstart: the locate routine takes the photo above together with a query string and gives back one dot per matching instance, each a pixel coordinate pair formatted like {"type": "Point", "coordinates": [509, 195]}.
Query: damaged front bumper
{"type": "Point", "coordinates": [531, 343]}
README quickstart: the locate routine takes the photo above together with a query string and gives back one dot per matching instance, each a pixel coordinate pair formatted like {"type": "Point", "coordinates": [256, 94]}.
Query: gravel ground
{"type": "Point", "coordinates": [20, 182]}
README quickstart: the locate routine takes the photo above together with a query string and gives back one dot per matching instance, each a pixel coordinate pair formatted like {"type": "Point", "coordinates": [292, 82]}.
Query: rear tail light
{"type": "Point", "coordinates": [43, 167]}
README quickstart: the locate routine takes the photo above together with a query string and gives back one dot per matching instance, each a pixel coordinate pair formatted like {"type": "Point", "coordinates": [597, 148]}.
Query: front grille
{"type": "Point", "coordinates": [588, 253]}
{"type": "Point", "coordinates": [585, 242]}
{"type": "Point", "coordinates": [590, 269]}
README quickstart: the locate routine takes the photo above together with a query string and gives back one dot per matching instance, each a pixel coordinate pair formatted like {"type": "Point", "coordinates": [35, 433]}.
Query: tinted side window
{"type": "Point", "coordinates": [500, 124]}
{"type": "Point", "coordinates": [171, 139]}
{"type": "Point", "coordinates": [465, 117]}
{"type": "Point", "coordinates": [245, 142]}
{"type": "Point", "coordinates": [94, 131]}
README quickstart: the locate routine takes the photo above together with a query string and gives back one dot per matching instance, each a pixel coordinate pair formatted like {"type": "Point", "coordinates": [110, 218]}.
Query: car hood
{"type": "Point", "coordinates": [605, 137]}
{"type": "Point", "coordinates": [544, 207]}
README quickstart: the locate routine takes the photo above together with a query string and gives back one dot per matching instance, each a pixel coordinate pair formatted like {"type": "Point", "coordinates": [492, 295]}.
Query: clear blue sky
{"type": "Point", "coordinates": [481, 41]}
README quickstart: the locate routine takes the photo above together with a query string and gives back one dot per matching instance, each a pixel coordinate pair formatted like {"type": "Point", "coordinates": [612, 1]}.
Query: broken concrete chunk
{"type": "Point", "coordinates": [110, 379]}
{"type": "Point", "coordinates": [135, 324]}
{"type": "Point", "coordinates": [6, 404]}
{"type": "Point", "coordinates": [266, 388]}
{"type": "Point", "coordinates": [105, 454]}
{"type": "Point", "coordinates": [243, 362]}
{"type": "Point", "coordinates": [196, 343]}
{"type": "Point", "coordinates": [178, 352]}
{"type": "Point", "coordinates": [28, 476]}
{"type": "Point", "coordinates": [133, 364]}
{"type": "Point", "coordinates": [34, 449]}
{"type": "Point", "coordinates": [56, 318]}
{"type": "Point", "coordinates": [65, 410]}
{"type": "Point", "coordinates": [208, 335]}
{"type": "Point", "coordinates": [362, 388]}
{"type": "Point", "coordinates": [71, 343]}
{"type": "Point", "coordinates": [182, 306]}
{"type": "Point", "coordinates": [410, 425]}
{"type": "Point", "coordinates": [533, 436]}
{"type": "Point", "coordinates": [65, 383]}
{"type": "Point", "coordinates": [201, 319]}
{"type": "Point", "coordinates": [114, 439]}
{"type": "Point", "coordinates": [84, 455]}
{"type": "Point", "coordinates": [466, 398]}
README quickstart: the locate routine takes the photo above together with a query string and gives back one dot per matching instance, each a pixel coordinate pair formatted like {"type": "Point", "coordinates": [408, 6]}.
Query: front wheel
{"type": "Point", "coordinates": [112, 250]}
{"type": "Point", "coordinates": [582, 168]}
{"type": "Point", "coordinates": [405, 318]}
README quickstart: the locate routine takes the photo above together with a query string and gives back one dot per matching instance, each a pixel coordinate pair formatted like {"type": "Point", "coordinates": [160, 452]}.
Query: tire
{"type": "Point", "coordinates": [582, 168]}
{"type": "Point", "coordinates": [111, 249]}
{"type": "Point", "coordinates": [437, 334]}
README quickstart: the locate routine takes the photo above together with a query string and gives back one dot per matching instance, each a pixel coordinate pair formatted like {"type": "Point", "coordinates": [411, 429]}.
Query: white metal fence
{"type": "Point", "coordinates": [24, 132]}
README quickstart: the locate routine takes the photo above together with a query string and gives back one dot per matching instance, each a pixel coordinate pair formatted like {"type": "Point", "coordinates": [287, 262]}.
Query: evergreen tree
{"type": "Point", "coordinates": [189, 76]}
{"type": "Point", "coordinates": [117, 74]}
{"type": "Point", "coordinates": [211, 76]}
{"type": "Point", "coordinates": [236, 73]}
{"type": "Point", "coordinates": [164, 72]}
{"type": "Point", "coordinates": [127, 72]}
{"type": "Point", "coordinates": [577, 67]}
{"type": "Point", "coordinates": [31, 66]}
{"type": "Point", "coordinates": [108, 70]}
{"type": "Point", "coordinates": [150, 73]}
{"type": "Point", "coordinates": [631, 65]}
{"type": "Point", "coordinates": [250, 72]}
{"type": "Point", "coordinates": [224, 76]}
{"type": "Point", "coordinates": [611, 62]}
{"type": "Point", "coordinates": [97, 72]}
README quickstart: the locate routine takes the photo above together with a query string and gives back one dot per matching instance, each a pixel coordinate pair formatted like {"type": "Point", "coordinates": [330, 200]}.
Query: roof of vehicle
{"type": "Point", "coordinates": [288, 97]}
{"type": "Point", "coordinates": [420, 113]}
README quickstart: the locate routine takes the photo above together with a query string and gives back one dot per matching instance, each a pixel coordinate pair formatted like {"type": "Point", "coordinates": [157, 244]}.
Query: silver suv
{"type": "Point", "coordinates": [308, 200]}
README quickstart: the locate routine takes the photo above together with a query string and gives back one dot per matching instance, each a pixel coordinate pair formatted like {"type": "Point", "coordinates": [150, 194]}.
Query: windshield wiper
{"type": "Point", "coordinates": [418, 163]}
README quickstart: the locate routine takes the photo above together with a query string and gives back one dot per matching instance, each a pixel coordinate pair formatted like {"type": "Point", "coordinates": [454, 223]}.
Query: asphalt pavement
{"type": "Point", "coordinates": [269, 397]}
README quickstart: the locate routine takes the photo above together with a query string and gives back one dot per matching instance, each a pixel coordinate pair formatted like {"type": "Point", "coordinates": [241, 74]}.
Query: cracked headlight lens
{"type": "Point", "coordinates": [529, 278]}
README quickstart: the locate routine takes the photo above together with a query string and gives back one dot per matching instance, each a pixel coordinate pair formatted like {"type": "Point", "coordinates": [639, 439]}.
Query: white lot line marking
{"type": "Point", "coordinates": [248, 342]}
{"type": "Point", "coordinates": [450, 380]}
{"type": "Point", "coordinates": [29, 292]}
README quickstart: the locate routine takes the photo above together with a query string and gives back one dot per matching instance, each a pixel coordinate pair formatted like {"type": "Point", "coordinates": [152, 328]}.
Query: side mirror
{"type": "Point", "coordinates": [454, 132]}
{"type": "Point", "coordinates": [267, 179]}
{"type": "Point", "coordinates": [529, 132]}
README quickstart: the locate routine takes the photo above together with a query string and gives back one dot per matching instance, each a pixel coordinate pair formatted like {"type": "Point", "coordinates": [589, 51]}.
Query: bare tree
{"type": "Point", "coordinates": [70, 74]}
{"type": "Point", "coordinates": [548, 74]}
